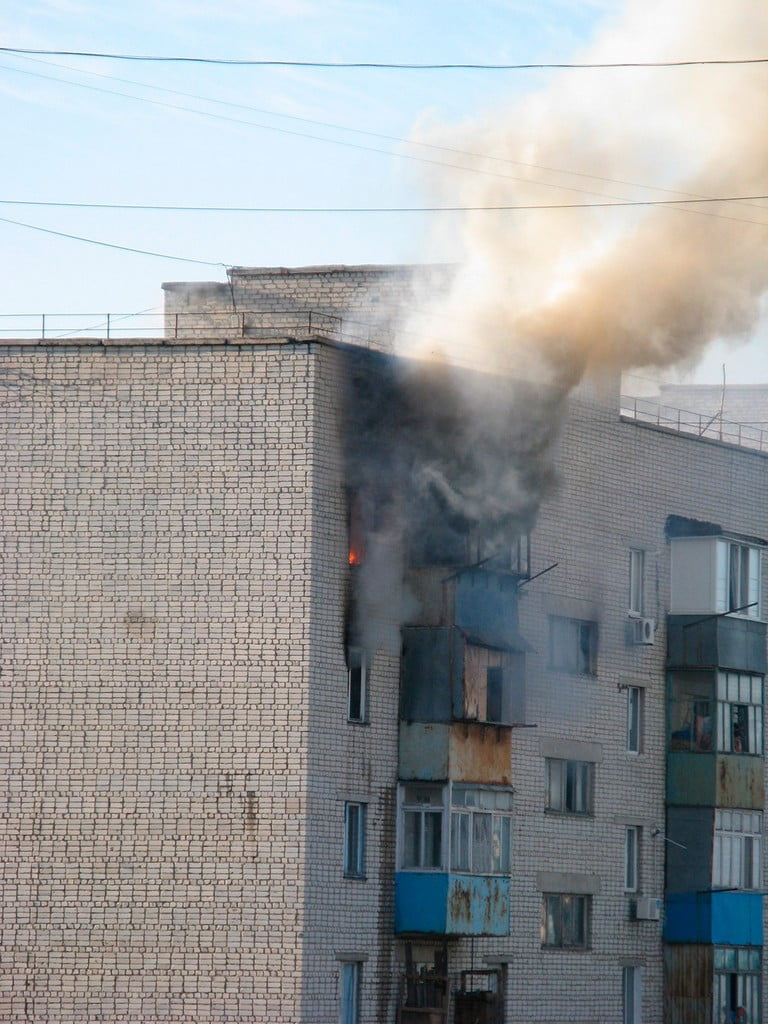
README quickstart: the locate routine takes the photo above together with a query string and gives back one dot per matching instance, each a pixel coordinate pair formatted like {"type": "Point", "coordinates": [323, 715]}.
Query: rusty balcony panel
{"type": "Point", "coordinates": [688, 984]}
{"type": "Point", "coordinates": [463, 752]}
{"type": "Point", "coordinates": [715, 780]}
{"type": "Point", "coordinates": [440, 903]}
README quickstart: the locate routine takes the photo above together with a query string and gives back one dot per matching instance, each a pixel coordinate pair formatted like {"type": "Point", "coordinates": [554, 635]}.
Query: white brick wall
{"type": "Point", "coordinates": [174, 693]}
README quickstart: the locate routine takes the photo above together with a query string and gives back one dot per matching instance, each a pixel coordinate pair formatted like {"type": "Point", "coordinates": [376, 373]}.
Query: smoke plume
{"type": "Point", "coordinates": [552, 294]}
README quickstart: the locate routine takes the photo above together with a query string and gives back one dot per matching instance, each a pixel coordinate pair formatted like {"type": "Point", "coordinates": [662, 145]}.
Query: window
{"type": "Point", "coordinates": [739, 578]}
{"type": "Point", "coordinates": [565, 921]}
{"type": "Point", "coordinates": [715, 574]}
{"type": "Point", "coordinates": [350, 992]}
{"type": "Point", "coordinates": [632, 858]}
{"type": "Point", "coordinates": [632, 995]}
{"type": "Point", "coordinates": [481, 826]}
{"type": "Point", "coordinates": [570, 786]}
{"type": "Point", "coordinates": [636, 581]}
{"type": "Point", "coordinates": [354, 840]}
{"type": "Point", "coordinates": [422, 827]}
{"type": "Point", "coordinates": [736, 861]}
{"type": "Point", "coordinates": [573, 645]}
{"type": "Point", "coordinates": [720, 711]}
{"type": "Point", "coordinates": [357, 685]}
{"type": "Point", "coordinates": [736, 991]}
{"type": "Point", "coordinates": [739, 713]}
{"type": "Point", "coordinates": [634, 719]}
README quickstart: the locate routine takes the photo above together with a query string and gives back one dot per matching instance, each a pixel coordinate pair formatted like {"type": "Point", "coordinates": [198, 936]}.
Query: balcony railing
{"type": "Point", "coordinates": [695, 424]}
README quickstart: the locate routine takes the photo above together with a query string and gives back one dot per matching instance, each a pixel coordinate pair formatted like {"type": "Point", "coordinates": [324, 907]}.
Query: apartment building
{"type": "Point", "coordinates": [343, 687]}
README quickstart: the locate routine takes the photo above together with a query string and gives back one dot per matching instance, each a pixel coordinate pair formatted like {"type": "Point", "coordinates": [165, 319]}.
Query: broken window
{"type": "Point", "coordinates": [573, 645]}
{"type": "Point", "coordinates": [489, 675]}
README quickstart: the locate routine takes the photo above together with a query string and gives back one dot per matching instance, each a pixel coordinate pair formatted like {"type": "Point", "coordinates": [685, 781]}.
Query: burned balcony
{"type": "Point", "coordinates": [459, 699]}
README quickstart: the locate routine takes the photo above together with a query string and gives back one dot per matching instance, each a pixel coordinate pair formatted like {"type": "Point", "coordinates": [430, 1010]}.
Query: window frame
{"type": "Point", "coordinates": [576, 654]}
{"type": "Point", "coordinates": [739, 715]}
{"type": "Point", "coordinates": [740, 578]}
{"type": "Point", "coordinates": [557, 901]}
{"type": "Point", "coordinates": [351, 976]}
{"type": "Point", "coordinates": [357, 662]}
{"type": "Point", "coordinates": [635, 719]}
{"type": "Point", "coordinates": [632, 847]}
{"type": "Point", "coordinates": [355, 814]}
{"type": "Point", "coordinates": [716, 711]}
{"type": "Point", "coordinates": [554, 786]}
{"type": "Point", "coordinates": [479, 803]}
{"type": "Point", "coordinates": [636, 581]}
{"type": "Point", "coordinates": [737, 982]}
{"type": "Point", "coordinates": [421, 809]}
{"type": "Point", "coordinates": [632, 994]}
{"type": "Point", "coordinates": [731, 841]}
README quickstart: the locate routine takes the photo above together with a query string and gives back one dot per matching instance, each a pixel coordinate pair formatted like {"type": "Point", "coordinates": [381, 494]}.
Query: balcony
{"type": "Point", "coordinates": [448, 903]}
{"type": "Point", "coordinates": [720, 918]}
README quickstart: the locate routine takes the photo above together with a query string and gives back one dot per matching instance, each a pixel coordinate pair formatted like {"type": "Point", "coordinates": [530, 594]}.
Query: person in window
{"type": "Point", "coordinates": [738, 748]}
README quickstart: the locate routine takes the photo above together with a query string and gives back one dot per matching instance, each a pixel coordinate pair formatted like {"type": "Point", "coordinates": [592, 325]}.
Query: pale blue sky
{"type": "Point", "coordinates": [85, 131]}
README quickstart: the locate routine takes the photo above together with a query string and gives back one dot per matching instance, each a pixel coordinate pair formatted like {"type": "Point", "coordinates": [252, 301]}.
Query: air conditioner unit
{"type": "Point", "coordinates": [642, 631]}
{"type": "Point", "coordinates": [647, 908]}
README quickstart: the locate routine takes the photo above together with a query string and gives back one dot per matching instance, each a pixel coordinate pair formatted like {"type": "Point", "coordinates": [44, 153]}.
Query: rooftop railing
{"type": "Point", "coordinates": [696, 424]}
{"type": "Point", "coordinates": [198, 325]}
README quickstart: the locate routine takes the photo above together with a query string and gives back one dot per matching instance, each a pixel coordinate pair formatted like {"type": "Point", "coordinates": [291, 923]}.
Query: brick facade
{"type": "Point", "coordinates": [176, 594]}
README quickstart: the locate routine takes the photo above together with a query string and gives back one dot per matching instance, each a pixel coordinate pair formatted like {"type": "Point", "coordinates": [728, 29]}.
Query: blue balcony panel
{"type": "Point", "coordinates": [439, 903]}
{"type": "Point", "coordinates": [714, 918]}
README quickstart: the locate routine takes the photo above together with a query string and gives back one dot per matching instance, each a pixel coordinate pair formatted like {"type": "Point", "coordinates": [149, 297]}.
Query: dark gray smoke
{"type": "Point", "coordinates": [445, 466]}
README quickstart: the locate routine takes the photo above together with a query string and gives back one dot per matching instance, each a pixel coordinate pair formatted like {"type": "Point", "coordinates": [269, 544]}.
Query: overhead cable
{"type": "Point", "coordinates": [373, 149]}
{"type": "Point", "coordinates": [111, 245]}
{"type": "Point", "coordinates": [380, 65]}
{"type": "Point", "coordinates": [500, 208]}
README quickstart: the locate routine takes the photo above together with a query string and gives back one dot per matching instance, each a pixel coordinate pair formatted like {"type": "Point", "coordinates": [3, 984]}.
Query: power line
{"type": "Point", "coordinates": [501, 208]}
{"type": "Point", "coordinates": [111, 245]}
{"type": "Point", "coordinates": [380, 65]}
{"type": "Point", "coordinates": [341, 127]}
{"type": "Point", "coordinates": [306, 135]}
{"type": "Point", "coordinates": [373, 149]}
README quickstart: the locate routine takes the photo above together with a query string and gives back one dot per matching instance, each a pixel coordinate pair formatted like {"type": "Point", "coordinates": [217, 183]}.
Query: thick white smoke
{"type": "Point", "coordinates": [549, 294]}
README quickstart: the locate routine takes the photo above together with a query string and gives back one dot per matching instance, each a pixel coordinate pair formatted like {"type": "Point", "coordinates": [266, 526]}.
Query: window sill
{"type": "Point", "coordinates": [577, 673]}
{"type": "Point", "coordinates": [551, 812]}
{"type": "Point", "coordinates": [566, 949]}
{"type": "Point", "coordinates": [355, 878]}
